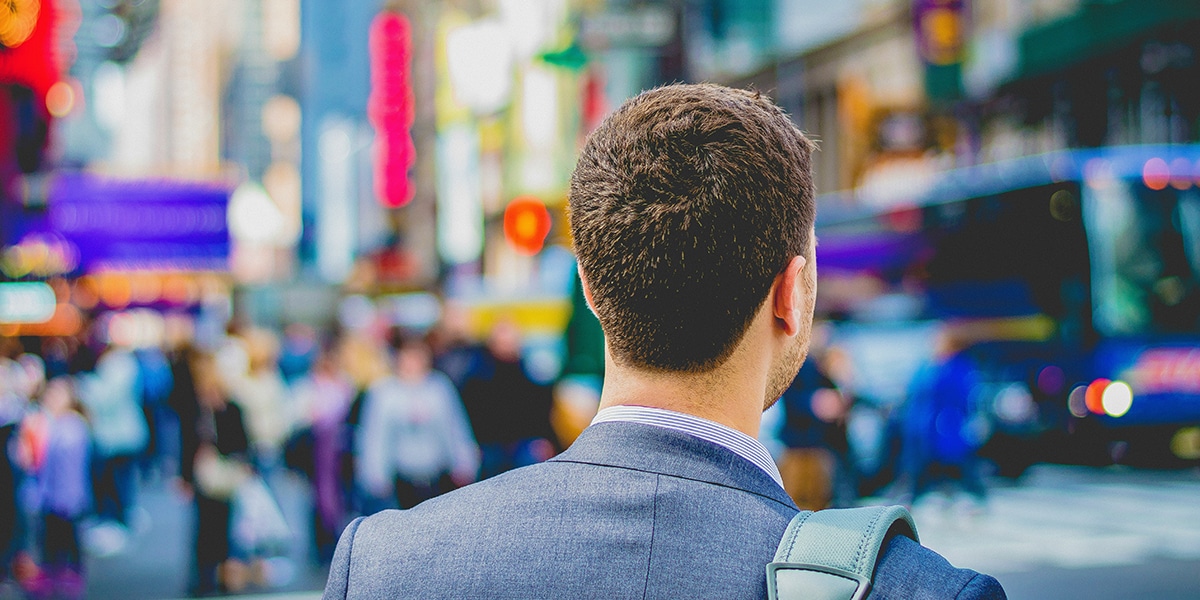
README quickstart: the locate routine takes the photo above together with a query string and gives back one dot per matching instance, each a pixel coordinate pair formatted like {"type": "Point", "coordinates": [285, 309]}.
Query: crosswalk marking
{"type": "Point", "coordinates": [1069, 517]}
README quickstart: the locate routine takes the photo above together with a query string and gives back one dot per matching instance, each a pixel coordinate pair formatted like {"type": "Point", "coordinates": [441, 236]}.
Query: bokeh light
{"type": "Point", "coordinates": [1181, 173]}
{"type": "Point", "coordinates": [1094, 398]}
{"type": "Point", "coordinates": [1117, 399]}
{"type": "Point", "coordinates": [60, 100]}
{"type": "Point", "coordinates": [1156, 174]}
{"type": "Point", "coordinates": [1077, 402]}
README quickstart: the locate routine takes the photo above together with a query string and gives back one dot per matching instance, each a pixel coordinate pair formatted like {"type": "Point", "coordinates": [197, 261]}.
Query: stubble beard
{"type": "Point", "coordinates": [784, 371]}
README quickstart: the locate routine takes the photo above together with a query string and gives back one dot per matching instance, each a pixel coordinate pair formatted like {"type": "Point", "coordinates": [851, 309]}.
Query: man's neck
{"type": "Point", "coordinates": [719, 396]}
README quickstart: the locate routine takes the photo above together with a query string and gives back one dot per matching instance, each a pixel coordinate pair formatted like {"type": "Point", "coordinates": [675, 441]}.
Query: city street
{"type": "Point", "coordinates": [1062, 532]}
{"type": "Point", "coordinates": [1075, 532]}
{"type": "Point", "coordinates": [362, 239]}
{"type": "Point", "coordinates": [156, 564]}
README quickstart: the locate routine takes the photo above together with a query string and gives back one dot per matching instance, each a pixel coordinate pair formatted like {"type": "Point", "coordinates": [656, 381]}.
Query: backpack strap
{"type": "Point", "coordinates": [831, 554]}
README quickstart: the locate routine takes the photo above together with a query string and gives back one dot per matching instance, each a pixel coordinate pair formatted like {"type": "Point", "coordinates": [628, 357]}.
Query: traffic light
{"type": "Point", "coordinates": [526, 224]}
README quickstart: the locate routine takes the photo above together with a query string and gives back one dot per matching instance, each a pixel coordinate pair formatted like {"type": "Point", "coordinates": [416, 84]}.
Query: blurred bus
{"type": "Point", "coordinates": [1075, 275]}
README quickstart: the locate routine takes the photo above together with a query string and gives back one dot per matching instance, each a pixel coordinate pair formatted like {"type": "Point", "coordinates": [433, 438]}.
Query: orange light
{"type": "Point", "coordinates": [1094, 397]}
{"type": "Point", "coordinates": [67, 320]}
{"type": "Point", "coordinates": [84, 295]}
{"type": "Point", "coordinates": [1156, 174]}
{"type": "Point", "coordinates": [116, 291]}
{"type": "Point", "coordinates": [60, 99]}
{"type": "Point", "coordinates": [179, 289]}
{"type": "Point", "coordinates": [145, 289]}
{"type": "Point", "coordinates": [526, 224]}
{"type": "Point", "coordinates": [17, 21]}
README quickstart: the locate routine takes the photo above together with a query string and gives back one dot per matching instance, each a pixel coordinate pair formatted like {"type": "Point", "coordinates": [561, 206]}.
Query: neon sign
{"type": "Point", "coordinates": [390, 107]}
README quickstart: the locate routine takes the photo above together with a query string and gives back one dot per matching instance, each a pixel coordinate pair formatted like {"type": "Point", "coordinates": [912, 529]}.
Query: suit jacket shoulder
{"type": "Point", "coordinates": [909, 571]}
{"type": "Point", "coordinates": [629, 511]}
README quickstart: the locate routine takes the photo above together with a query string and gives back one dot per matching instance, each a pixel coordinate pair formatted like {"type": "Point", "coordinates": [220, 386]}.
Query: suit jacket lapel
{"type": "Point", "coordinates": [668, 452]}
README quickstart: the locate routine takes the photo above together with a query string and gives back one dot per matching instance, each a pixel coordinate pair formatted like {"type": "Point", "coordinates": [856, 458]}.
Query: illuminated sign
{"type": "Point", "coordinates": [40, 255]}
{"type": "Point", "coordinates": [940, 27]}
{"type": "Point", "coordinates": [27, 35]}
{"type": "Point", "coordinates": [26, 302]}
{"type": "Point", "coordinates": [95, 224]}
{"type": "Point", "coordinates": [17, 18]}
{"type": "Point", "coordinates": [1167, 370]}
{"type": "Point", "coordinates": [526, 224]}
{"type": "Point", "coordinates": [390, 107]}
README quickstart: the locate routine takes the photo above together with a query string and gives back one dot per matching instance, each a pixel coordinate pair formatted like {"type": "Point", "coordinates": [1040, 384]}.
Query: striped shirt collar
{"type": "Point", "coordinates": [709, 431]}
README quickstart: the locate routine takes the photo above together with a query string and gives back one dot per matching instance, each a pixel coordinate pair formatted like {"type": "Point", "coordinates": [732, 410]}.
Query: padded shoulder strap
{"type": "Point", "coordinates": [831, 554]}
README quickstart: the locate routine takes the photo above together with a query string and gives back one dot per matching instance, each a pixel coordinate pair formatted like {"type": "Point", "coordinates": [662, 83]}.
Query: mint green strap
{"type": "Point", "coordinates": [830, 554]}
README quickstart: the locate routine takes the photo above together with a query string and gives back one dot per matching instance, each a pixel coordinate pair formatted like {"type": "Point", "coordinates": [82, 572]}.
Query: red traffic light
{"type": "Point", "coordinates": [526, 224]}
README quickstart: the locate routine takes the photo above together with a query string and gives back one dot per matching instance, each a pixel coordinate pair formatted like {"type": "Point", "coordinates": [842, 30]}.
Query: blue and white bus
{"type": "Point", "coordinates": [1075, 275]}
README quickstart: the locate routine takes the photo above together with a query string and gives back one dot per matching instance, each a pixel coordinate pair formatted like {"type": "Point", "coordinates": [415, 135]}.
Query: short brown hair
{"type": "Point", "coordinates": [685, 204]}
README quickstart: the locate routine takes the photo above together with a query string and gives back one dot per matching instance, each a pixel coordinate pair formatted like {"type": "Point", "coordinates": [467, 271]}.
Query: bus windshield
{"type": "Point", "coordinates": [1145, 251]}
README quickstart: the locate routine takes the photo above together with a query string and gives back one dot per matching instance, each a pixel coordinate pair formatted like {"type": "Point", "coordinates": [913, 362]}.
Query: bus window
{"type": "Point", "coordinates": [1146, 259]}
{"type": "Point", "coordinates": [1015, 254]}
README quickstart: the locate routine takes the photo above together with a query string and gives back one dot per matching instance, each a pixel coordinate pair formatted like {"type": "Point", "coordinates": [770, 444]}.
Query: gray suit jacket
{"type": "Point", "coordinates": [629, 511]}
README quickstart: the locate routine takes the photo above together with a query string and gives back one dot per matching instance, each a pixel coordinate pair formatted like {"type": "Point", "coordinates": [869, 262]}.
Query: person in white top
{"type": "Point", "coordinates": [324, 398]}
{"type": "Point", "coordinates": [263, 397]}
{"type": "Point", "coordinates": [112, 397]}
{"type": "Point", "coordinates": [414, 441]}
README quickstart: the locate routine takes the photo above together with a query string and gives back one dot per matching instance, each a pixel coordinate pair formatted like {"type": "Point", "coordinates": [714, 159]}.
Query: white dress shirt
{"type": "Point", "coordinates": [709, 431]}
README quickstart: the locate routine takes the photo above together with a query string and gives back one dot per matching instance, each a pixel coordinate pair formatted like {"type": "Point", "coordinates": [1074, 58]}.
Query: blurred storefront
{"type": "Point", "coordinates": [913, 88]}
{"type": "Point", "coordinates": [393, 146]}
{"type": "Point", "coordinates": [1093, 74]}
{"type": "Point", "coordinates": [136, 122]}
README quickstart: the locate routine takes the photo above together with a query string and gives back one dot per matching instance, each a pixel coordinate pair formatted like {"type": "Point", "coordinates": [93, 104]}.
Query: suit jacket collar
{"type": "Point", "coordinates": [668, 452]}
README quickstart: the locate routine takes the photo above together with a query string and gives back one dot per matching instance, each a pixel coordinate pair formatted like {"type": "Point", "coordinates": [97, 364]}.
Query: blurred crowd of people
{"type": "Point", "coordinates": [928, 444]}
{"type": "Point", "coordinates": [376, 419]}
{"type": "Point", "coordinates": [74, 424]}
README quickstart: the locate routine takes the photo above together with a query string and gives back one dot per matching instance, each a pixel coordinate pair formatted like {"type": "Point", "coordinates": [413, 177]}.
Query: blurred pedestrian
{"type": "Point", "coordinates": [943, 430]}
{"type": "Point", "coordinates": [215, 462]}
{"type": "Point", "coordinates": [814, 434]}
{"type": "Point", "coordinates": [454, 350]}
{"type": "Point", "coordinates": [262, 396]}
{"type": "Point", "coordinates": [154, 374]}
{"type": "Point", "coordinates": [112, 397]}
{"type": "Point", "coordinates": [55, 454]}
{"type": "Point", "coordinates": [413, 441]}
{"type": "Point", "coordinates": [57, 354]}
{"type": "Point", "coordinates": [364, 359]}
{"type": "Point", "coordinates": [324, 398]}
{"type": "Point", "coordinates": [84, 347]}
{"type": "Point", "coordinates": [508, 409]}
{"type": "Point", "coordinates": [298, 352]}
{"type": "Point", "coordinates": [13, 405]}
{"type": "Point", "coordinates": [183, 402]}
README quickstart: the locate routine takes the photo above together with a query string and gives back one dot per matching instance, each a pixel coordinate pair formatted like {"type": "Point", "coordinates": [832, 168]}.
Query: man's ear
{"type": "Point", "coordinates": [587, 293]}
{"type": "Point", "coordinates": [788, 296]}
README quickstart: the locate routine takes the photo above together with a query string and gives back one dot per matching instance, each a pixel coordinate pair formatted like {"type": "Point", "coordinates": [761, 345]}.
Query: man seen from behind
{"type": "Point", "coordinates": [692, 213]}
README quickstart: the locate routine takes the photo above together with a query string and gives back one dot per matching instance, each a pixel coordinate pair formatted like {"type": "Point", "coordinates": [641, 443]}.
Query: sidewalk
{"type": "Point", "coordinates": [155, 562]}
